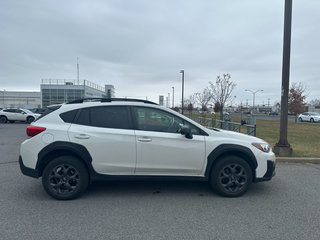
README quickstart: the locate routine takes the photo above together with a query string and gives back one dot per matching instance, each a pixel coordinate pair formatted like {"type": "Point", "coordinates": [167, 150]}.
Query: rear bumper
{"type": "Point", "coordinates": [28, 171]}
{"type": "Point", "coordinates": [271, 171]}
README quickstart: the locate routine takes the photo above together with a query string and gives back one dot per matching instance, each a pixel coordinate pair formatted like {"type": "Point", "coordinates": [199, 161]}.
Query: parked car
{"type": "Point", "coordinates": [309, 117]}
{"type": "Point", "coordinates": [38, 110]}
{"type": "Point", "coordinates": [17, 114]}
{"type": "Point", "coordinates": [273, 113]}
{"type": "Point", "coordinates": [76, 143]}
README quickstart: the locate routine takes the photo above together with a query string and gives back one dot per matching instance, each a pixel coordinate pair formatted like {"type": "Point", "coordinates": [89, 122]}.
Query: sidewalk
{"type": "Point", "coordinates": [299, 160]}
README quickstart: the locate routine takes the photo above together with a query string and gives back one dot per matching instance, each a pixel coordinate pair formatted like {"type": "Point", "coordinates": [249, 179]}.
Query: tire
{"type": "Point", "coordinates": [30, 119]}
{"type": "Point", "coordinates": [65, 178]}
{"type": "Point", "coordinates": [300, 119]}
{"type": "Point", "coordinates": [231, 176]}
{"type": "Point", "coordinates": [312, 120]}
{"type": "Point", "coordinates": [3, 119]}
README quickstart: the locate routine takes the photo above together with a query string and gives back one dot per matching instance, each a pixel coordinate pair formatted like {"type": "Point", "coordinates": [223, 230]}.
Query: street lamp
{"type": "Point", "coordinates": [253, 95]}
{"type": "Point", "coordinates": [172, 97]}
{"type": "Point", "coordinates": [182, 72]}
{"type": "Point", "coordinates": [3, 90]}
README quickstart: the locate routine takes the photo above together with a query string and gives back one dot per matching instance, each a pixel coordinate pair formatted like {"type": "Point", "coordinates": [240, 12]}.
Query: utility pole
{"type": "Point", "coordinates": [283, 148]}
{"type": "Point", "coordinates": [182, 72]}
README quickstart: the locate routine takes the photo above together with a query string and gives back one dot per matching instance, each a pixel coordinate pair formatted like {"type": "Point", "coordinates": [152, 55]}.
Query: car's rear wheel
{"type": "Point", "coordinates": [231, 176]}
{"type": "Point", "coordinates": [30, 119]}
{"type": "Point", "coordinates": [65, 178]}
{"type": "Point", "coordinates": [3, 119]}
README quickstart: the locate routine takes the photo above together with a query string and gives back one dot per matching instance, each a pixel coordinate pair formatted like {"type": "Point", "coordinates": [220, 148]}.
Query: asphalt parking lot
{"type": "Point", "coordinates": [288, 207]}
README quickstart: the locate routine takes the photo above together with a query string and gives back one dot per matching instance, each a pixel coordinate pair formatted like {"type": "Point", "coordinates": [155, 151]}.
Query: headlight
{"type": "Point", "coordinates": [264, 147]}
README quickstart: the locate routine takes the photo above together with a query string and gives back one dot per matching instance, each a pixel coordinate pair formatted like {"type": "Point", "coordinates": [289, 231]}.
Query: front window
{"type": "Point", "coordinates": [149, 119]}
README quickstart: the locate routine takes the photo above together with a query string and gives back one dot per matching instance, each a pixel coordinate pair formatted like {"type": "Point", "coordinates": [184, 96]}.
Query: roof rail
{"type": "Point", "coordinates": [81, 100]}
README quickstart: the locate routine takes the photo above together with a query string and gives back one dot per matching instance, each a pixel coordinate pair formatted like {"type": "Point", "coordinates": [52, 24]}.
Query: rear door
{"type": "Point", "coordinates": [10, 113]}
{"type": "Point", "coordinates": [107, 134]}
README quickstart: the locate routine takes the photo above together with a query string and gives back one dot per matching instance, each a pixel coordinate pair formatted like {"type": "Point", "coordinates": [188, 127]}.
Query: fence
{"type": "Point", "coordinates": [227, 125]}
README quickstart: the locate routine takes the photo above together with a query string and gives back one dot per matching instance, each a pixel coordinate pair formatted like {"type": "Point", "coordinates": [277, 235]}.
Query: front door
{"type": "Point", "coordinates": [161, 149]}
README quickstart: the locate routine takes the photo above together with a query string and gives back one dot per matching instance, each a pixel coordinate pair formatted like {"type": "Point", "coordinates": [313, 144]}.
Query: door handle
{"type": "Point", "coordinates": [82, 136]}
{"type": "Point", "coordinates": [144, 139]}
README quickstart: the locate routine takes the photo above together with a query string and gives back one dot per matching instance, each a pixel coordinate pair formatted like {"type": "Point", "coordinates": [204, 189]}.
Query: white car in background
{"type": "Point", "coordinates": [17, 114]}
{"type": "Point", "coordinates": [309, 117]}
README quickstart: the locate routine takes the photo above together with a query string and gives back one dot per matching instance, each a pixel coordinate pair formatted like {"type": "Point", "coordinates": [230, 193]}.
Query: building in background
{"type": "Point", "coordinates": [110, 91]}
{"type": "Point", "coordinates": [20, 99]}
{"type": "Point", "coordinates": [161, 100]}
{"type": "Point", "coordinates": [56, 91]}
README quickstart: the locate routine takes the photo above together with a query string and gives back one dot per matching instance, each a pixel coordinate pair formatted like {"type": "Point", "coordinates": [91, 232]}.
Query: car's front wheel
{"type": "Point", "coordinates": [300, 119]}
{"type": "Point", "coordinates": [30, 119]}
{"type": "Point", "coordinates": [312, 120]}
{"type": "Point", "coordinates": [65, 178]}
{"type": "Point", "coordinates": [231, 176]}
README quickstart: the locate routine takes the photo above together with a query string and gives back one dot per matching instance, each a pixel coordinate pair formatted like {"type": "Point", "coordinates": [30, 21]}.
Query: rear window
{"type": "Point", "coordinates": [105, 117]}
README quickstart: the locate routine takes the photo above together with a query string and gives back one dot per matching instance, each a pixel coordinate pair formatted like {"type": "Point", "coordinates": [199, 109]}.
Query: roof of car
{"type": "Point", "coordinates": [82, 100]}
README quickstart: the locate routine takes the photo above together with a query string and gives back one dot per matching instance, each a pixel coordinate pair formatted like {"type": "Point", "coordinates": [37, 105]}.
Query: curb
{"type": "Point", "coordinates": [298, 160]}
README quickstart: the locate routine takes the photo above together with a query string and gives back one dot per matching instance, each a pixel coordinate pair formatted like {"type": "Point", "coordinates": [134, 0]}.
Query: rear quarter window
{"type": "Point", "coordinates": [69, 116]}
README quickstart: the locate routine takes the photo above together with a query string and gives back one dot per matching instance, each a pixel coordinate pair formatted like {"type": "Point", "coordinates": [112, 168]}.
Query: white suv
{"type": "Point", "coordinates": [17, 114]}
{"type": "Point", "coordinates": [84, 141]}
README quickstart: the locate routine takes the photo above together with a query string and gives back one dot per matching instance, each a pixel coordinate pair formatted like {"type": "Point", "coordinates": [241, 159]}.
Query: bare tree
{"type": "Point", "coordinates": [189, 103]}
{"type": "Point", "coordinates": [315, 102]}
{"type": "Point", "coordinates": [221, 91]}
{"type": "Point", "coordinates": [297, 98]}
{"type": "Point", "coordinates": [203, 98]}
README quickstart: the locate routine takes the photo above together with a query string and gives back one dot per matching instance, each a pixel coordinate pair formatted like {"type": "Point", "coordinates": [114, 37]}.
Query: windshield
{"type": "Point", "coordinates": [27, 111]}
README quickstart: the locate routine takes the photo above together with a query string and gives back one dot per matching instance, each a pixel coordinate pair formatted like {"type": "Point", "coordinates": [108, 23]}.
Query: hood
{"type": "Point", "coordinates": [240, 136]}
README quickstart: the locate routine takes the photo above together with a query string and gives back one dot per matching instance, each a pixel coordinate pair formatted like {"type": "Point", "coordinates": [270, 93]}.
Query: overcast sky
{"type": "Point", "coordinates": [140, 46]}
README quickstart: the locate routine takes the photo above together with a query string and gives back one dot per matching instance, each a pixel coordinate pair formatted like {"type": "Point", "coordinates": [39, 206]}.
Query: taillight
{"type": "Point", "coordinates": [34, 130]}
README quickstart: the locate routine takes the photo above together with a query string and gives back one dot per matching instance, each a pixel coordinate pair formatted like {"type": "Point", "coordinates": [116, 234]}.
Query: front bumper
{"type": "Point", "coordinates": [271, 171]}
{"type": "Point", "coordinates": [28, 171]}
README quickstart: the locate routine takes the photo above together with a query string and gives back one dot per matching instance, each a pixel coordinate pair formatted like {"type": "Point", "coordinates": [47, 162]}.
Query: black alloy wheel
{"type": "Point", "coordinates": [65, 178]}
{"type": "Point", "coordinates": [231, 176]}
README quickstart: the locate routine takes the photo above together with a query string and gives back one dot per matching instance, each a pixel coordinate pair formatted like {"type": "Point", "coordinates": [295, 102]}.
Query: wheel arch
{"type": "Point", "coordinates": [58, 149]}
{"type": "Point", "coordinates": [230, 150]}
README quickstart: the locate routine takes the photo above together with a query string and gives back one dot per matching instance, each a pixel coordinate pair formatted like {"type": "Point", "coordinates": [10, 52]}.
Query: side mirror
{"type": "Point", "coordinates": [185, 130]}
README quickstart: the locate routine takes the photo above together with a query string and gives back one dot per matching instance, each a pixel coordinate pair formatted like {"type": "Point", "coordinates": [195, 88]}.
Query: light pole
{"type": "Point", "coordinates": [283, 148]}
{"type": "Point", "coordinates": [3, 90]}
{"type": "Point", "coordinates": [172, 97]}
{"type": "Point", "coordinates": [182, 72]}
{"type": "Point", "coordinates": [253, 95]}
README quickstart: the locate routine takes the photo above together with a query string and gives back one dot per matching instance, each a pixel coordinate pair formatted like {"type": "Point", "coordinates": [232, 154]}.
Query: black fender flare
{"type": "Point", "coordinates": [61, 148]}
{"type": "Point", "coordinates": [230, 149]}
